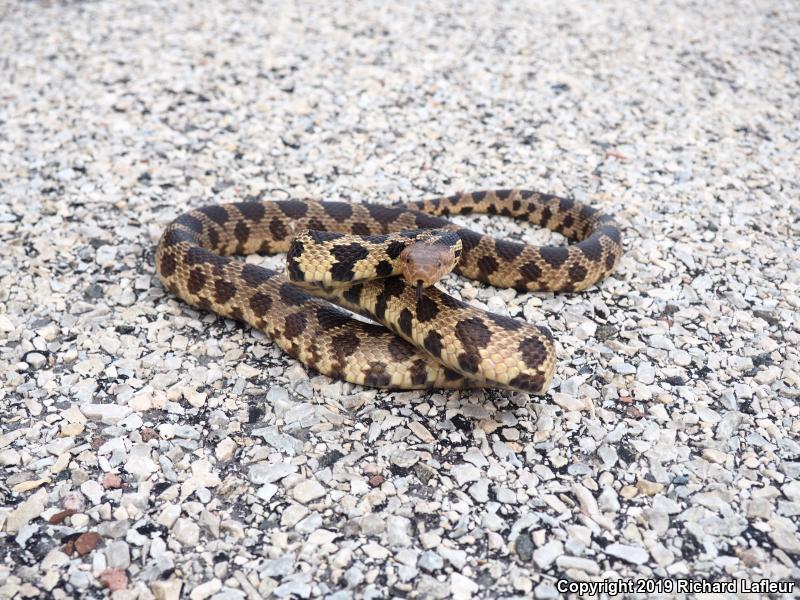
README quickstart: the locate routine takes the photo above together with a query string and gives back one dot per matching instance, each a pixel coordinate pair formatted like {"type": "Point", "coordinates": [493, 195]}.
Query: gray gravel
{"type": "Point", "coordinates": [157, 451]}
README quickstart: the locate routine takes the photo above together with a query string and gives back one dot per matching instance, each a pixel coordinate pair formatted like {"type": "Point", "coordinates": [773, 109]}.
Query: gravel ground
{"type": "Point", "coordinates": [159, 451]}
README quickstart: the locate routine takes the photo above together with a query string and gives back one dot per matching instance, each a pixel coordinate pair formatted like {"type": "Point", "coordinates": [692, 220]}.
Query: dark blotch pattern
{"type": "Point", "coordinates": [292, 295]}
{"type": "Point", "coordinates": [360, 229]}
{"type": "Point", "coordinates": [530, 383]}
{"type": "Point", "coordinates": [260, 304]}
{"type": "Point", "coordinates": [419, 372]}
{"type": "Point", "coordinates": [174, 236]}
{"type": "Point", "coordinates": [223, 291]}
{"type": "Point", "coordinates": [255, 275]}
{"type": "Point", "coordinates": [555, 256]}
{"type": "Point", "coordinates": [505, 322]}
{"type": "Point", "coordinates": [292, 208]}
{"type": "Point", "coordinates": [508, 251]}
{"type": "Point", "coordinates": [612, 233]}
{"type": "Point", "coordinates": [400, 349]}
{"type": "Point", "coordinates": [346, 258]}
{"type": "Point", "coordinates": [426, 309]}
{"type": "Point", "coordinates": [469, 239]}
{"type": "Point", "coordinates": [295, 324]}
{"type": "Point", "coordinates": [278, 229]}
{"type": "Point", "coordinates": [487, 265]}
{"type": "Point", "coordinates": [330, 318]}
{"type": "Point", "coordinates": [473, 333]}
{"type": "Point", "coordinates": [344, 345]}
{"type": "Point", "coordinates": [433, 343]}
{"type": "Point", "coordinates": [533, 352]}
{"type": "Point", "coordinates": [376, 375]}
{"type": "Point", "coordinates": [216, 213]}
{"type": "Point", "coordinates": [353, 294]}
{"type": "Point", "coordinates": [405, 321]}
{"type": "Point", "coordinates": [196, 280]}
{"type": "Point", "coordinates": [252, 211]}
{"type": "Point", "coordinates": [339, 211]}
{"type": "Point", "coordinates": [167, 265]}
{"type": "Point", "coordinates": [190, 222]}
{"type": "Point", "coordinates": [383, 214]}
{"type": "Point", "coordinates": [394, 249]}
{"type": "Point", "coordinates": [531, 271]}
{"type": "Point", "coordinates": [241, 232]}
{"type": "Point", "coordinates": [577, 273]}
{"type": "Point", "coordinates": [383, 268]}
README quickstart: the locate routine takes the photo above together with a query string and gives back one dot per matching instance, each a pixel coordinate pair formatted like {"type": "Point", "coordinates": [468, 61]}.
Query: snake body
{"type": "Point", "coordinates": [427, 341]}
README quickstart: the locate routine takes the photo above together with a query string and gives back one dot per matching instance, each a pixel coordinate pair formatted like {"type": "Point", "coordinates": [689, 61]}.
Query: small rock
{"type": "Point", "coordinates": [308, 490]}
{"type": "Point", "coordinates": [114, 579]}
{"type": "Point", "coordinates": [632, 554]}
{"type": "Point", "coordinates": [186, 531]}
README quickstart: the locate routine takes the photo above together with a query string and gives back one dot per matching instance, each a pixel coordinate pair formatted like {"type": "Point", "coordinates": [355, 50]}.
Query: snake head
{"type": "Point", "coordinates": [422, 265]}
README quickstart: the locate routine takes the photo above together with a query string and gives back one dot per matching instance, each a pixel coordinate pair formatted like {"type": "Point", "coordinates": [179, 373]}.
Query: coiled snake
{"type": "Point", "coordinates": [429, 339]}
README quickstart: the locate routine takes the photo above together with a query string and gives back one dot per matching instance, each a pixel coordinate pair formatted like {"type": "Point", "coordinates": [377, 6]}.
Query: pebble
{"type": "Point", "coordinates": [307, 491]}
{"type": "Point", "coordinates": [631, 554]}
{"type": "Point", "coordinates": [186, 532]}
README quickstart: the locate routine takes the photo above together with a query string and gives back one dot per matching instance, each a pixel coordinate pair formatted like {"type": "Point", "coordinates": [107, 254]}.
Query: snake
{"type": "Point", "coordinates": [380, 263]}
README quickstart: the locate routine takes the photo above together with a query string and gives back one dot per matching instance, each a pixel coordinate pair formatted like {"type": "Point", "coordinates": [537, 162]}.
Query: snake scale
{"type": "Point", "coordinates": [426, 338]}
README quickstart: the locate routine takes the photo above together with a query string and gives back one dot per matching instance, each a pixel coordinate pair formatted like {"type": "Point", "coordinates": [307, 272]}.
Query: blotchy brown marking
{"type": "Point", "coordinates": [223, 291]}
{"type": "Point", "coordinates": [469, 239]}
{"type": "Point", "coordinates": [531, 271]}
{"type": "Point", "coordinates": [591, 249]}
{"type": "Point", "coordinates": [508, 251]}
{"type": "Point", "coordinates": [255, 275]}
{"type": "Point", "coordinates": [278, 229]}
{"type": "Point", "coordinates": [216, 213]}
{"type": "Point", "coordinates": [473, 333]}
{"type": "Point", "coordinates": [383, 214]}
{"type": "Point", "coordinates": [533, 352]}
{"type": "Point", "coordinates": [343, 345]}
{"type": "Point", "coordinates": [190, 222]}
{"type": "Point", "coordinates": [531, 383]}
{"type": "Point", "coordinates": [295, 324]}
{"type": "Point", "coordinates": [174, 236]}
{"type": "Point", "coordinates": [405, 322]}
{"type": "Point", "coordinates": [376, 375]}
{"type": "Point", "coordinates": [167, 265]}
{"type": "Point", "coordinates": [418, 372]}
{"type": "Point", "coordinates": [241, 232]}
{"type": "Point", "coordinates": [213, 237]}
{"type": "Point", "coordinates": [426, 309]}
{"type": "Point", "coordinates": [487, 265]}
{"type": "Point", "coordinates": [360, 229]}
{"type": "Point", "coordinates": [291, 295]}
{"type": "Point", "coordinates": [253, 211]}
{"type": "Point", "coordinates": [292, 208]}
{"type": "Point", "coordinates": [400, 349]}
{"type": "Point", "coordinates": [577, 273]}
{"type": "Point", "coordinates": [612, 233]}
{"type": "Point", "coordinates": [260, 303]}
{"type": "Point", "coordinates": [555, 256]}
{"type": "Point", "coordinates": [339, 211]}
{"type": "Point", "coordinates": [330, 317]}
{"type": "Point", "coordinates": [197, 280]}
{"type": "Point", "coordinates": [433, 343]}
{"type": "Point", "coordinates": [353, 294]}
{"type": "Point", "coordinates": [505, 322]}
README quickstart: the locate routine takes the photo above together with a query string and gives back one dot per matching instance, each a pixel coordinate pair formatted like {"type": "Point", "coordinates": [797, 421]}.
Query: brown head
{"type": "Point", "coordinates": [422, 265]}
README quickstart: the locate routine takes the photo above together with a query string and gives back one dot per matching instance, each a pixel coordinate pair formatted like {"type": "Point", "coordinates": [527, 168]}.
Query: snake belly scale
{"type": "Point", "coordinates": [427, 339]}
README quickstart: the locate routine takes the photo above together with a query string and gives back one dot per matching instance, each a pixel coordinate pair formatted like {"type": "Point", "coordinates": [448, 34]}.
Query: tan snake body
{"type": "Point", "coordinates": [435, 340]}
